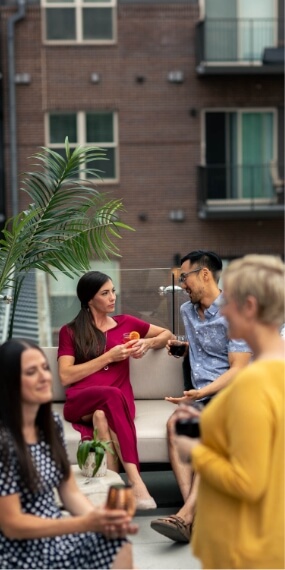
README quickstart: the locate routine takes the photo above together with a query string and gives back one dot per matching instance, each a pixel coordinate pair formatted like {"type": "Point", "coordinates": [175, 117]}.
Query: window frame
{"type": "Point", "coordinates": [239, 111]}
{"type": "Point", "coordinates": [81, 138]}
{"type": "Point", "coordinates": [78, 6]}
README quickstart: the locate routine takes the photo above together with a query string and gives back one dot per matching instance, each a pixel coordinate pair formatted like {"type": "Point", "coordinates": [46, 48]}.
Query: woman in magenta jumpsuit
{"type": "Point", "coordinates": [94, 366]}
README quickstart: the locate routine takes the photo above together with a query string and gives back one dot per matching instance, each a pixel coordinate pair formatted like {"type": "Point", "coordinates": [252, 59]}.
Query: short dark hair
{"type": "Point", "coordinates": [207, 258]}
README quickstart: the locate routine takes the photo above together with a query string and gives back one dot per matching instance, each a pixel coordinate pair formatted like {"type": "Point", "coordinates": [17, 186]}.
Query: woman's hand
{"type": "Point", "coordinates": [141, 347]}
{"type": "Point", "coordinates": [184, 444]}
{"type": "Point", "coordinates": [113, 523]}
{"type": "Point", "coordinates": [122, 351]}
{"type": "Point", "coordinates": [182, 412]}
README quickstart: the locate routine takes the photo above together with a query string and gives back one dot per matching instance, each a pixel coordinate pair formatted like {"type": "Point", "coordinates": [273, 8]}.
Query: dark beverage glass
{"type": "Point", "coordinates": [178, 347]}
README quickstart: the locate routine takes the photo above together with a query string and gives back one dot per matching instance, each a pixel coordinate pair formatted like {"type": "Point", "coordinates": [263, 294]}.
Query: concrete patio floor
{"type": "Point", "coordinates": [151, 549]}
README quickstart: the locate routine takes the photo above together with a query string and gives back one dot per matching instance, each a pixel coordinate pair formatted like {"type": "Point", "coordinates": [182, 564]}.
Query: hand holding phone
{"type": "Point", "coordinates": [188, 426]}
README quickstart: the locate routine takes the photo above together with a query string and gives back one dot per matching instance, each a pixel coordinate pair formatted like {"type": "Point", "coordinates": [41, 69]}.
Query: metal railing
{"type": "Point", "coordinates": [236, 40]}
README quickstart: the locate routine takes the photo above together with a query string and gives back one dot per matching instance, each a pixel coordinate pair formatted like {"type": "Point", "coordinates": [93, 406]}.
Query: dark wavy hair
{"type": "Point", "coordinates": [11, 416]}
{"type": "Point", "coordinates": [89, 341]}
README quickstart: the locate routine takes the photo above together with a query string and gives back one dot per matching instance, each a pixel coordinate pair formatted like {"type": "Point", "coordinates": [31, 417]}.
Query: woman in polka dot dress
{"type": "Point", "coordinates": [33, 462]}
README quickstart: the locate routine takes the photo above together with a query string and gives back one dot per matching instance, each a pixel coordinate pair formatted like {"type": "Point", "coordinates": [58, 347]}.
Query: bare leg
{"type": "Point", "coordinates": [124, 559]}
{"type": "Point", "coordinates": [182, 471]}
{"type": "Point", "coordinates": [100, 422]}
{"type": "Point", "coordinates": [139, 489]}
{"type": "Point", "coordinates": [188, 510]}
{"type": "Point", "coordinates": [187, 481]}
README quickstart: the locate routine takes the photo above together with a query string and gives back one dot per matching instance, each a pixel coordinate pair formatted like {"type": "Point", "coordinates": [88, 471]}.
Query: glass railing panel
{"type": "Point", "coordinates": [45, 303]}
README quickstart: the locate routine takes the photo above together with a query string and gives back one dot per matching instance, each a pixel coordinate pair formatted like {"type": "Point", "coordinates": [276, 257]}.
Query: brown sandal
{"type": "Point", "coordinates": [173, 527]}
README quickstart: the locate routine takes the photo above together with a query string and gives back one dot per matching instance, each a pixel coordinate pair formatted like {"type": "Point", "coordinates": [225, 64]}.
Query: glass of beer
{"type": "Point", "coordinates": [178, 346]}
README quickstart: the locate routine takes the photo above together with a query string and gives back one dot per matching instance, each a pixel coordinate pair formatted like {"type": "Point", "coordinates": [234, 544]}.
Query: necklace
{"type": "Point", "coordinates": [106, 335]}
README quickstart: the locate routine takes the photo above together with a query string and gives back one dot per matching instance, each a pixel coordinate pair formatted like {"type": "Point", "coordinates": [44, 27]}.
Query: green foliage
{"type": "Point", "coordinates": [96, 445]}
{"type": "Point", "coordinates": [68, 222]}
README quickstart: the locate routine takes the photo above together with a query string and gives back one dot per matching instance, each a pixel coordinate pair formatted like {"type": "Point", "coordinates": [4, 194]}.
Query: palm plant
{"type": "Point", "coordinates": [67, 223]}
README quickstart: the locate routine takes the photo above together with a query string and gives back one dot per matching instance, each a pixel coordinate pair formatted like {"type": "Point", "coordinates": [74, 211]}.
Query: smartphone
{"type": "Point", "coordinates": [188, 426]}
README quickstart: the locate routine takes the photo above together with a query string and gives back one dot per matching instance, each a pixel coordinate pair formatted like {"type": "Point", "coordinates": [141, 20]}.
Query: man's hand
{"type": "Point", "coordinates": [188, 397]}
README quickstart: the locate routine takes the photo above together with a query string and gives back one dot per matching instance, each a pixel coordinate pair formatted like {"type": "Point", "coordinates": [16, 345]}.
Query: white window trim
{"type": "Point", "coordinates": [78, 5]}
{"type": "Point", "coordinates": [81, 138]}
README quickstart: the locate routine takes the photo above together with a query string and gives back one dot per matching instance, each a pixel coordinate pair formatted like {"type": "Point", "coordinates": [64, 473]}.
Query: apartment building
{"type": "Point", "coordinates": [187, 98]}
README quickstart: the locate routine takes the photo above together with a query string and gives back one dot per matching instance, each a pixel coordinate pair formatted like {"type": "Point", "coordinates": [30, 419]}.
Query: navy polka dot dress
{"type": "Point", "coordinates": [78, 550]}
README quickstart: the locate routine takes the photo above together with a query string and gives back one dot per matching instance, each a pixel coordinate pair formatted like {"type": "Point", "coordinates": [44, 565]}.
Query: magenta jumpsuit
{"type": "Point", "coordinates": [108, 389]}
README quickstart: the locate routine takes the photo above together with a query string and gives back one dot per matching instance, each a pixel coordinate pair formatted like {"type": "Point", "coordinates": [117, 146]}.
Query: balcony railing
{"type": "Point", "coordinates": [237, 41]}
{"type": "Point", "coordinates": [239, 190]}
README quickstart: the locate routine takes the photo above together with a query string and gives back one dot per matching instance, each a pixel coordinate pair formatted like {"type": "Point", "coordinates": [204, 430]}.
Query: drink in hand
{"type": "Point", "coordinates": [178, 347]}
{"type": "Point", "coordinates": [133, 335]}
{"type": "Point", "coordinates": [121, 497]}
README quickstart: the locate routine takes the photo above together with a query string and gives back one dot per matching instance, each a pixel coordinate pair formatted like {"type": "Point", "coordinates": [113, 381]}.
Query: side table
{"type": "Point", "coordinates": [96, 488]}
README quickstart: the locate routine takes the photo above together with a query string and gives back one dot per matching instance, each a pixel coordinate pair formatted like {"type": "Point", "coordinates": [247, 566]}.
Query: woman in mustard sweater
{"type": "Point", "coordinates": [240, 457]}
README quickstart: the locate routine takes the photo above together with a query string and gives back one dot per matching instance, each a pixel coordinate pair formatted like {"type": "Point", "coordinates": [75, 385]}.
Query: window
{"type": "Point", "coordinates": [96, 129]}
{"type": "Point", "coordinates": [239, 30]}
{"type": "Point", "coordinates": [239, 147]}
{"type": "Point", "coordinates": [79, 21]}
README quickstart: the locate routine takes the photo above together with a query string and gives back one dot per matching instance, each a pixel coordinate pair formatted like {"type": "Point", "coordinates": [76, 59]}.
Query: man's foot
{"type": "Point", "coordinates": [173, 527]}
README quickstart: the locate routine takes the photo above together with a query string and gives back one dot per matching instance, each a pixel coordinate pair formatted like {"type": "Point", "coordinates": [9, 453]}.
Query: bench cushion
{"type": "Point", "coordinates": [150, 422]}
{"type": "Point", "coordinates": [153, 377]}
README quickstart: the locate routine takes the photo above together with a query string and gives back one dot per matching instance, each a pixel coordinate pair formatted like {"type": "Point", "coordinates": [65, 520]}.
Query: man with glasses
{"type": "Point", "coordinates": [214, 361]}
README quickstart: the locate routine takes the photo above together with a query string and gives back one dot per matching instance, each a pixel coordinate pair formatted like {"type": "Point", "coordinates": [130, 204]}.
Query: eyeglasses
{"type": "Point", "coordinates": [184, 276]}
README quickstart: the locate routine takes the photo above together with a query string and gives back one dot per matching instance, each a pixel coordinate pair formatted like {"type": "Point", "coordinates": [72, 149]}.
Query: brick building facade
{"type": "Point", "coordinates": [150, 79]}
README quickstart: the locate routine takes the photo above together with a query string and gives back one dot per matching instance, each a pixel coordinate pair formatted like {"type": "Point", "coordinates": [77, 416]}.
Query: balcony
{"type": "Point", "coordinates": [239, 192]}
{"type": "Point", "coordinates": [240, 47]}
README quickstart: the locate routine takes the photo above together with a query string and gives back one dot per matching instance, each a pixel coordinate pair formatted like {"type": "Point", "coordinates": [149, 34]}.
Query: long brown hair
{"type": "Point", "coordinates": [11, 417]}
{"type": "Point", "coordinates": [89, 341]}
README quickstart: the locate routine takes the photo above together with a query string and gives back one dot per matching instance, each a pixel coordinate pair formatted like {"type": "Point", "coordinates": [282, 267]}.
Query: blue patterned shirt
{"type": "Point", "coordinates": [209, 345]}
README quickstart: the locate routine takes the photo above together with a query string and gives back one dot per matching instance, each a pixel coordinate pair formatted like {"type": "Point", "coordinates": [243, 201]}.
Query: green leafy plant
{"type": "Point", "coordinates": [68, 222]}
{"type": "Point", "coordinates": [97, 446]}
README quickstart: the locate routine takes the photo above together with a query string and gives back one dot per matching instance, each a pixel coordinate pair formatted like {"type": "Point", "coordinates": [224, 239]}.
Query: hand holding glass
{"type": "Point", "coordinates": [121, 497]}
{"type": "Point", "coordinates": [178, 346]}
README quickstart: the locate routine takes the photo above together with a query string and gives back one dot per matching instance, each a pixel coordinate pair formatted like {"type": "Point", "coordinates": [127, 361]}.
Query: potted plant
{"type": "Point", "coordinates": [91, 456]}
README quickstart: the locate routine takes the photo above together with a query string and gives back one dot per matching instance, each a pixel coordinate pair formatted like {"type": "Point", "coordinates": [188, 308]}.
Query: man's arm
{"type": "Point", "coordinates": [237, 361]}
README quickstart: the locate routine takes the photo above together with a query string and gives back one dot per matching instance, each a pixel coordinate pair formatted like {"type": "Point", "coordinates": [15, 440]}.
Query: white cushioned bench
{"type": "Point", "coordinates": [153, 377]}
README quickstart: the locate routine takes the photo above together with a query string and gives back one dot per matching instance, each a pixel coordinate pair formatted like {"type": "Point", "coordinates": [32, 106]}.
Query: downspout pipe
{"type": "Point", "coordinates": [19, 15]}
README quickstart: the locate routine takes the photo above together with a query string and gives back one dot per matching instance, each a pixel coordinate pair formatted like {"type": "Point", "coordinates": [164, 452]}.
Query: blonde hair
{"type": "Point", "coordinates": [263, 277]}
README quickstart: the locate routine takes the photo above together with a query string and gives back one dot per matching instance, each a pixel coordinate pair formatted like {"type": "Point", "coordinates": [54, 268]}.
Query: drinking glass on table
{"type": "Point", "coordinates": [178, 346]}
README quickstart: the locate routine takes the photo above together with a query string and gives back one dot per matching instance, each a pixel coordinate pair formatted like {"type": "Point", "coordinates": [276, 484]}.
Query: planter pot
{"type": "Point", "coordinates": [89, 466]}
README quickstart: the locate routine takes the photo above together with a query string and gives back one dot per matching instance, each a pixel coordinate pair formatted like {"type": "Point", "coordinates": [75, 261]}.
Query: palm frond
{"type": "Point", "coordinates": [68, 221]}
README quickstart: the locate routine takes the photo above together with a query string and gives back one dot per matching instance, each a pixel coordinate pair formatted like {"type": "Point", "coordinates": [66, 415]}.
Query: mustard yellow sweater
{"type": "Point", "coordinates": [240, 508]}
